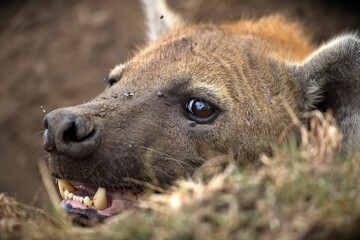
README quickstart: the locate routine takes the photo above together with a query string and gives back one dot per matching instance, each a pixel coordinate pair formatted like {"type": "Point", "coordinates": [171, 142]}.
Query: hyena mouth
{"type": "Point", "coordinates": [96, 202]}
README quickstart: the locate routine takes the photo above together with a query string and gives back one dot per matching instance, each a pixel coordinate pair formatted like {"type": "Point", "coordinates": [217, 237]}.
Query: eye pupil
{"type": "Point", "coordinates": [200, 108]}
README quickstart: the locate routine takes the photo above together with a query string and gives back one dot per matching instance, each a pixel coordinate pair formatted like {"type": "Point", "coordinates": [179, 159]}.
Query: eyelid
{"type": "Point", "coordinates": [204, 93]}
{"type": "Point", "coordinates": [207, 98]}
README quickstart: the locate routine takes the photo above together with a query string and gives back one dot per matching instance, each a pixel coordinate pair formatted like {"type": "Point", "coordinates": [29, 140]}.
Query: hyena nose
{"type": "Point", "coordinates": [70, 132]}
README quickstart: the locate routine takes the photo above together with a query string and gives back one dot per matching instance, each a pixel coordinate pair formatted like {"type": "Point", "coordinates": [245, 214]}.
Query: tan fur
{"type": "Point", "coordinates": [219, 71]}
{"type": "Point", "coordinates": [256, 72]}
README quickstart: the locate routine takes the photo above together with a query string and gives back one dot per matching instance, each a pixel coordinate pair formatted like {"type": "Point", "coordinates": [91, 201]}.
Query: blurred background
{"type": "Point", "coordinates": [56, 53]}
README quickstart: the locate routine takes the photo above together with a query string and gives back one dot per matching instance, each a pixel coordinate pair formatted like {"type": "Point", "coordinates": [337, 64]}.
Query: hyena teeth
{"type": "Point", "coordinates": [66, 194]}
{"type": "Point", "coordinates": [87, 201]}
{"type": "Point", "coordinates": [78, 199]}
{"type": "Point", "coordinates": [65, 185]}
{"type": "Point", "coordinates": [70, 196]}
{"type": "Point", "coordinates": [99, 199]}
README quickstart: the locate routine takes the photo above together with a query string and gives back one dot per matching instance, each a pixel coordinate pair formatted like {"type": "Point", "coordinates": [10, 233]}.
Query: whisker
{"type": "Point", "coordinates": [167, 156]}
{"type": "Point", "coordinates": [156, 169]}
{"type": "Point", "coordinates": [146, 184]}
{"type": "Point", "coordinates": [172, 161]}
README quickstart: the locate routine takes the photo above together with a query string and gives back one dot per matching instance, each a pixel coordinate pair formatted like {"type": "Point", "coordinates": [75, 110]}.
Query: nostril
{"type": "Point", "coordinates": [70, 134]}
{"type": "Point", "coordinates": [78, 131]}
{"type": "Point", "coordinates": [84, 127]}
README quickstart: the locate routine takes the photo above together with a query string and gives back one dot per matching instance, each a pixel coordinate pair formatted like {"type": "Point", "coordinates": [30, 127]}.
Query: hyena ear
{"type": "Point", "coordinates": [330, 79]}
{"type": "Point", "coordinates": [160, 18]}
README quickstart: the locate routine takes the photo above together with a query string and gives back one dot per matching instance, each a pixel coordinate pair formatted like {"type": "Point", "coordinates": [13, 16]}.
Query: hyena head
{"type": "Point", "coordinates": [198, 93]}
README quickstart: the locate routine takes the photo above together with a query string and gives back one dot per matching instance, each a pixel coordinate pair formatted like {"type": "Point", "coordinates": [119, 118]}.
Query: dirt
{"type": "Point", "coordinates": [56, 53]}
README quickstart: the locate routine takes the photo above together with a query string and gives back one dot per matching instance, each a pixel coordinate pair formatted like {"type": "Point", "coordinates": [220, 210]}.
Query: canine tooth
{"type": "Point", "coordinates": [128, 195]}
{"type": "Point", "coordinates": [87, 201]}
{"type": "Point", "coordinates": [66, 194]}
{"type": "Point", "coordinates": [71, 195]}
{"type": "Point", "coordinates": [65, 185]}
{"type": "Point", "coordinates": [99, 199]}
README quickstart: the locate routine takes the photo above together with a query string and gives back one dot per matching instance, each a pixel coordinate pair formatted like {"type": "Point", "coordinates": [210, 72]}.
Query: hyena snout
{"type": "Point", "coordinates": [70, 132]}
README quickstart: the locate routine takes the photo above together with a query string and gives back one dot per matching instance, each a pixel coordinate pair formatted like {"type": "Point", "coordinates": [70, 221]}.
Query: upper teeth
{"type": "Point", "coordinates": [99, 200]}
{"type": "Point", "coordinates": [65, 185]}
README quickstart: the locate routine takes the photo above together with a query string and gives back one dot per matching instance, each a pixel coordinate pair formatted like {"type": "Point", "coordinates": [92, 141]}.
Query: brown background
{"type": "Point", "coordinates": [56, 53]}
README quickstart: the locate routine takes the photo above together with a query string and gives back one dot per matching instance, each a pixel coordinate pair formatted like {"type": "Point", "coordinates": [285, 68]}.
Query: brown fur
{"type": "Point", "coordinates": [253, 71]}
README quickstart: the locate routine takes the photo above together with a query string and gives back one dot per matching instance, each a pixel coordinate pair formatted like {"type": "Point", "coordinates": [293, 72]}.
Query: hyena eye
{"type": "Point", "coordinates": [200, 110]}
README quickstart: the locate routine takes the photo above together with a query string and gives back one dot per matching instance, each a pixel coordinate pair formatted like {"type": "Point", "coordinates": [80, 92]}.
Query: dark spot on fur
{"type": "Point", "coordinates": [192, 124]}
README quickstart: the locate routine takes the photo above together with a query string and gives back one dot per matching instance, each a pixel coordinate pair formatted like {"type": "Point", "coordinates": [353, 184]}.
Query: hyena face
{"type": "Point", "coordinates": [198, 93]}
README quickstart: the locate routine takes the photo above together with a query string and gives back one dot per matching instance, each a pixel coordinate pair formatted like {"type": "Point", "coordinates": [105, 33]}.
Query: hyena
{"type": "Point", "coordinates": [194, 93]}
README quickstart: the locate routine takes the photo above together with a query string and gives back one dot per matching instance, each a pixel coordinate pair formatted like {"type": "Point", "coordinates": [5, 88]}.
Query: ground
{"type": "Point", "coordinates": [56, 53]}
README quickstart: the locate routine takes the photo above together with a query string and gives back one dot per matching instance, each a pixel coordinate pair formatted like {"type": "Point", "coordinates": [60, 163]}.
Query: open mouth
{"type": "Point", "coordinates": [97, 202]}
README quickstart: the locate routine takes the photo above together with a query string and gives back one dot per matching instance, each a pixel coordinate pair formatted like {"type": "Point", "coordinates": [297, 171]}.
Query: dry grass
{"type": "Point", "coordinates": [303, 192]}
